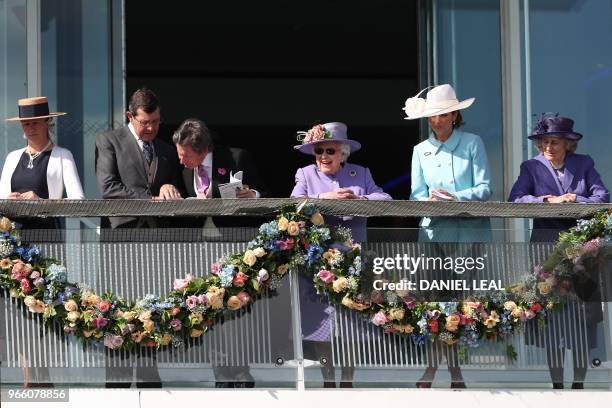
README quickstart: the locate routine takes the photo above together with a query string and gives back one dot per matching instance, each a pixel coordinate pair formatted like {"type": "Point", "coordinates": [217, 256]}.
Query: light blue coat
{"type": "Point", "coordinates": [459, 166]}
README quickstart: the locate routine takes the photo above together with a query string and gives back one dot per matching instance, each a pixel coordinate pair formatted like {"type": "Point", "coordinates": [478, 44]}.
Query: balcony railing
{"type": "Point", "coordinates": [258, 344]}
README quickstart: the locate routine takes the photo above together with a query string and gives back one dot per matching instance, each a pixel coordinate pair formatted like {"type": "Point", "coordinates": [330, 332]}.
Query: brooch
{"type": "Point", "coordinates": [222, 171]}
{"type": "Point", "coordinates": [426, 153]}
{"type": "Point", "coordinates": [353, 173]}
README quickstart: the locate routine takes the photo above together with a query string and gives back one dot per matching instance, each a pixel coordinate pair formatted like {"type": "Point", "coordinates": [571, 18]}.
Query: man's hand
{"type": "Point", "coordinates": [340, 193]}
{"type": "Point", "coordinates": [168, 192]}
{"type": "Point", "coordinates": [14, 196]}
{"type": "Point", "coordinates": [245, 192]}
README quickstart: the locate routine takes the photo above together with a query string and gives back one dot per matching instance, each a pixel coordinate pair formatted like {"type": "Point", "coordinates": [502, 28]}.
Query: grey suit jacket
{"type": "Point", "coordinates": [122, 171]}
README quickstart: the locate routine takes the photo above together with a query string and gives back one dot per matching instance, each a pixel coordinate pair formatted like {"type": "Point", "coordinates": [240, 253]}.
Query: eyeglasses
{"type": "Point", "coordinates": [147, 123]}
{"type": "Point", "coordinates": [330, 151]}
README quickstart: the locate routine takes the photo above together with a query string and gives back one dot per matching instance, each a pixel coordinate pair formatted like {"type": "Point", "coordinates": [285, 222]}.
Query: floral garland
{"type": "Point", "coordinates": [299, 240]}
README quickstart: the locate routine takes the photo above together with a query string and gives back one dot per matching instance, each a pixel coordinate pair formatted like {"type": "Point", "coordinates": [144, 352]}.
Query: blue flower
{"type": "Point", "coordinates": [314, 254]}
{"type": "Point", "coordinates": [309, 210]}
{"type": "Point", "coordinates": [269, 229]}
{"type": "Point", "coordinates": [226, 275]}
{"type": "Point", "coordinates": [56, 274]}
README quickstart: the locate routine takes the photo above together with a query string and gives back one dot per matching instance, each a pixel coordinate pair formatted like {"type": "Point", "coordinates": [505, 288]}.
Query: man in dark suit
{"type": "Point", "coordinates": [132, 164]}
{"type": "Point", "coordinates": [205, 167]}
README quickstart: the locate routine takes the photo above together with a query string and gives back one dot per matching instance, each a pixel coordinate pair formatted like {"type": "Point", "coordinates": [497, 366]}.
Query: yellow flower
{"type": "Point", "coordinates": [71, 306]}
{"type": "Point", "coordinates": [249, 258]}
{"type": "Point", "coordinates": [148, 326]}
{"type": "Point", "coordinates": [73, 316]}
{"type": "Point", "coordinates": [98, 334]}
{"type": "Point", "coordinates": [14, 293]}
{"type": "Point", "coordinates": [94, 300]}
{"type": "Point", "coordinates": [144, 316]}
{"type": "Point", "coordinates": [5, 224]}
{"type": "Point", "coordinates": [87, 333]}
{"type": "Point", "coordinates": [293, 228]}
{"type": "Point", "coordinates": [283, 223]}
{"type": "Point", "coordinates": [259, 252]}
{"type": "Point", "coordinates": [328, 255]}
{"type": "Point", "coordinates": [196, 318]}
{"type": "Point", "coordinates": [166, 339]}
{"type": "Point", "coordinates": [196, 333]}
{"type": "Point", "coordinates": [492, 320]}
{"type": "Point", "coordinates": [516, 312]}
{"type": "Point", "coordinates": [340, 284]}
{"type": "Point", "coordinates": [6, 263]}
{"type": "Point", "coordinates": [128, 316]}
{"type": "Point", "coordinates": [403, 328]}
{"type": "Point", "coordinates": [452, 322]}
{"type": "Point", "coordinates": [510, 305]}
{"type": "Point", "coordinates": [396, 314]}
{"type": "Point", "coordinates": [234, 303]}
{"type": "Point", "coordinates": [282, 269]}
{"type": "Point", "coordinates": [317, 219]}
{"type": "Point", "coordinates": [137, 336]}
{"type": "Point", "coordinates": [29, 301]}
{"type": "Point", "coordinates": [544, 288]}
{"type": "Point", "coordinates": [216, 300]}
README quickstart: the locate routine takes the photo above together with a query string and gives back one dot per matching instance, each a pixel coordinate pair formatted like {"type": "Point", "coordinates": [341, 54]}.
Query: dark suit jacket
{"type": "Point", "coordinates": [122, 173]}
{"type": "Point", "coordinates": [537, 178]}
{"type": "Point", "coordinates": [225, 160]}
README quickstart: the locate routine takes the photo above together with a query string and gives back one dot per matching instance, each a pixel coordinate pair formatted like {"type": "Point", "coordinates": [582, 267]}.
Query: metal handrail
{"type": "Point", "coordinates": [268, 206]}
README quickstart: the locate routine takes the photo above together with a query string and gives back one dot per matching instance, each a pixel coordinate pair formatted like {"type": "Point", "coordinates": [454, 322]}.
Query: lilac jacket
{"type": "Point", "coordinates": [537, 178]}
{"type": "Point", "coordinates": [310, 182]}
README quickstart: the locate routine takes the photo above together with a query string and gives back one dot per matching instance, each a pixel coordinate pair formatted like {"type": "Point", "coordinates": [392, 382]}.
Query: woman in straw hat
{"type": "Point", "coordinates": [40, 170]}
{"type": "Point", "coordinates": [330, 177]}
{"type": "Point", "coordinates": [451, 165]}
{"type": "Point", "coordinates": [559, 175]}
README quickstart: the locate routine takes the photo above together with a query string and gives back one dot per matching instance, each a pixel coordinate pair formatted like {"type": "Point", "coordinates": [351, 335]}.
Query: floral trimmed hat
{"type": "Point", "coordinates": [551, 124]}
{"type": "Point", "coordinates": [439, 100]}
{"type": "Point", "coordinates": [327, 132]}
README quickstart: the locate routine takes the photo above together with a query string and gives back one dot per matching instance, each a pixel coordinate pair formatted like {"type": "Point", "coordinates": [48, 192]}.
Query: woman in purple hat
{"type": "Point", "coordinates": [559, 175]}
{"type": "Point", "coordinates": [330, 177]}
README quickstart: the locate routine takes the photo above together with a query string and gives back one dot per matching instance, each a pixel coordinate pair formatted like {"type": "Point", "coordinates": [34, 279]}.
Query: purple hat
{"type": "Point", "coordinates": [551, 124]}
{"type": "Point", "coordinates": [327, 132]}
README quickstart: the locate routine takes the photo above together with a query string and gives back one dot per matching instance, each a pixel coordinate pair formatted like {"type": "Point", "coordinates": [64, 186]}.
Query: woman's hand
{"type": "Point", "coordinates": [29, 195]}
{"type": "Point", "coordinates": [340, 193]}
{"type": "Point", "coordinates": [565, 198]}
{"type": "Point", "coordinates": [441, 192]}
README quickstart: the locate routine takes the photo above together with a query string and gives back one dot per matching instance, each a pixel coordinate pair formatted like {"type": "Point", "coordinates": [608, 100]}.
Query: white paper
{"type": "Point", "coordinates": [228, 190]}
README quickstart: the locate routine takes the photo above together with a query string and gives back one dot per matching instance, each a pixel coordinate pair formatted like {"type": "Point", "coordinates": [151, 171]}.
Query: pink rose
{"type": "Point", "coordinates": [240, 279]}
{"type": "Point", "coordinates": [244, 297]}
{"type": "Point", "coordinates": [202, 299]}
{"type": "Point", "coordinates": [326, 276]}
{"type": "Point", "coordinates": [410, 304]}
{"type": "Point", "coordinates": [389, 330]}
{"type": "Point", "coordinates": [99, 322]}
{"type": "Point", "coordinates": [180, 284]}
{"type": "Point", "coordinates": [192, 301]}
{"type": "Point", "coordinates": [215, 268]}
{"type": "Point", "coordinates": [285, 245]}
{"type": "Point", "coordinates": [379, 319]}
{"type": "Point", "coordinates": [176, 324]}
{"type": "Point", "coordinates": [529, 314]}
{"type": "Point", "coordinates": [113, 342]}
{"type": "Point", "coordinates": [104, 305]}
{"type": "Point", "coordinates": [25, 285]}
{"type": "Point", "coordinates": [35, 275]}
{"type": "Point", "coordinates": [176, 310]}
{"type": "Point", "coordinates": [536, 307]}
{"type": "Point", "coordinates": [222, 171]}
{"type": "Point", "coordinates": [39, 282]}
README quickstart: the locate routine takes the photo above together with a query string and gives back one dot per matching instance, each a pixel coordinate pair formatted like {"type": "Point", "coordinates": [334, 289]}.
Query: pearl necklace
{"type": "Point", "coordinates": [35, 155]}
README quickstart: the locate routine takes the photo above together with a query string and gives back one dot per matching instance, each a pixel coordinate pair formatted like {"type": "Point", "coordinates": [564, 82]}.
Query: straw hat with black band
{"type": "Point", "coordinates": [34, 108]}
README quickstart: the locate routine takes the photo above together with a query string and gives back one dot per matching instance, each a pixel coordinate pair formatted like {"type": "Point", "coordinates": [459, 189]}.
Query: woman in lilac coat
{"type": "Point", "coordinates": [557, 175]}
{"type": "Point", "coordinates": [331, 177]}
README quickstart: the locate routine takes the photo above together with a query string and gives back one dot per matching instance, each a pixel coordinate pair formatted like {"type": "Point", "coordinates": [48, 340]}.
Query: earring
{"type": "Point", "coordinates": [453, 123]}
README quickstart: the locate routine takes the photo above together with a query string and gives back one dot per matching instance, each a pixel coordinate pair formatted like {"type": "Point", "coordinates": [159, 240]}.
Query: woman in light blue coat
{"type": "Point", "coordinates": [451, 165]}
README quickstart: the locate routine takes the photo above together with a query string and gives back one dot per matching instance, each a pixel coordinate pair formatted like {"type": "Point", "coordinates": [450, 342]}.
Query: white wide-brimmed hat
{"type": "Point", "coordinates": [441, 99]}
